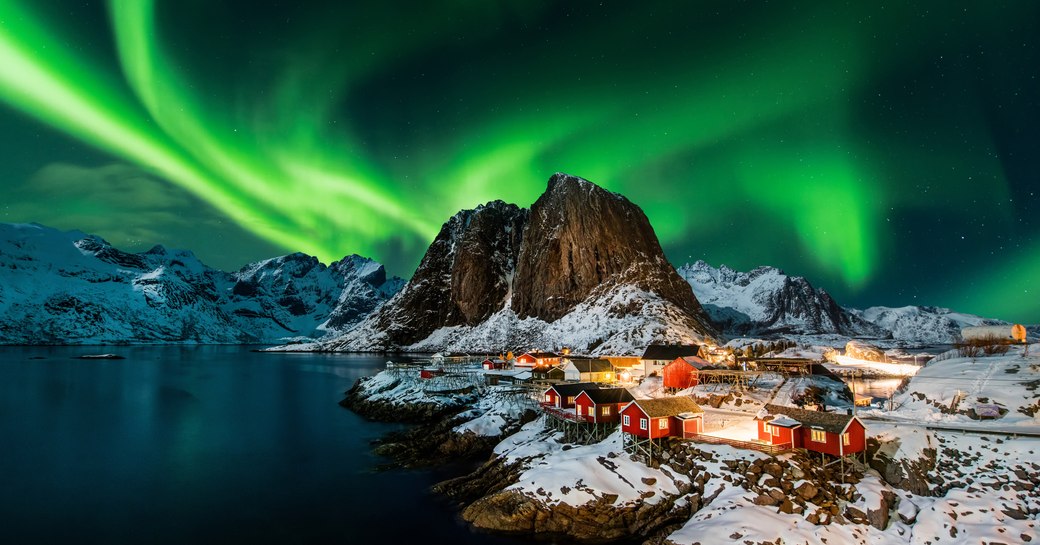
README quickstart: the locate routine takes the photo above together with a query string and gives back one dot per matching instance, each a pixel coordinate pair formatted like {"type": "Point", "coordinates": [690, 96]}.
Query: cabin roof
{"type": "Point", "coordinates": [574, 388]}
{"type": "Point", "coordinates": [670, 351]}
{"type": "Point", "coordinates": [592, 365]}
{"type": "Point", "coordinates": [829, 422]}
{"type": "Point", "coordinates": [609, 395]}
{"type": "Point", "coordinates": [693, 361]}
{"type": "Point", "coordinates": [668, 406]}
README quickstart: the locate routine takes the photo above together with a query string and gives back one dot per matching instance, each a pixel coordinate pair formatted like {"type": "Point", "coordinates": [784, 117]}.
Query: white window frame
{"type": "Point", "coordinates": [776, 431]}
{"type": "Point", "coordinates": [662, 423]}
{"type": "Point", "coordinates": [767, 429]}
{"type": "Point", "coordinates": [626, 420]}
{"type": "Point", "coordinates": [548, 398]}
{"type": "Point", "coordinates": [643, 424]}
{"type": "Point", "coordinates": [846, 439]}
{"type": "Point", "coordinates": [818, 436]}
{"type": "Point", "coordinates": [578, 410]}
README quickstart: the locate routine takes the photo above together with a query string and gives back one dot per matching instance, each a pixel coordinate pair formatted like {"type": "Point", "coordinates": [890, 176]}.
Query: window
{"type": "Point", "coordinates": [776, 431]}
{"type": "Point", "coordinates": [767, 429]}
{"type": "Point", "coordinates": [605, 411]}
{"type": "Point", "coordinates": [570, 400]}
{"type": "Point", "coordinates": [580, 410]}
{"type": "Point", "coordinates": [662, 424]}
{"type": "Point", "coordinates": [846, 439]}
{"type": "Point", "coordinates": [625, 420]}
{"type": "Point", "coordinates": [819, 436]}
{"type": "Point", "coordinates": [548, 398]}
{"type": "Point", "coordinates": [642, 424]}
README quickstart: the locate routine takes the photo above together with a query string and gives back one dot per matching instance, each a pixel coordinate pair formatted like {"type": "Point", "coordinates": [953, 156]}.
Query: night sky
{"type": "Point", "coordinates": [889, 153]}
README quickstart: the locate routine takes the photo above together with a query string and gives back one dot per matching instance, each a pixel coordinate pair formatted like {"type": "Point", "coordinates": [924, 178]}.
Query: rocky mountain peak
{"type": "Point", "coordinates": [510, 275]}
{"type": "Point", "coordinates": [582, 237]}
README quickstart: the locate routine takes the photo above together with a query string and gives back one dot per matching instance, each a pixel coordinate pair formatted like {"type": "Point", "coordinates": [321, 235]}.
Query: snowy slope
{"type": "Point", "coordinates": [72, 288]}
{"type": "Point", "coordinates": [767, 301]}
{"type": "Point", "coordinates": [620, 320]}
{"type": "Point", "coordinates": [923, 324]}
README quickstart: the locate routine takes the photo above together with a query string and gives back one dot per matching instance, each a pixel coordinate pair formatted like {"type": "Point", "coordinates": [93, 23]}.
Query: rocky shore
{"type": "Point", "coordinates": [532, 483]}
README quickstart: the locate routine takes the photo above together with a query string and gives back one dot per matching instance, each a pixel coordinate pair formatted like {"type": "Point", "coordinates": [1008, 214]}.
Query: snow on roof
{"type": "Point", "coordinates": [668, 406]}
{"type": "Point", "coordinates": [829, 422]}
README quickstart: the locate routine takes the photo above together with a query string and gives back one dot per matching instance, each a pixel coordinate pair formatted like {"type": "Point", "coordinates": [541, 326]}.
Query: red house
{"type": "Point", "coordinates": [494, 364]}
{"type": "Point", "coordinates": [537, 359]}
{"type": "Point", "coordinates": [829, 433]}
{"type": "Point", "coordinates": [602, 406]}
{"type": "Point", "coordinates": [663, 417]}
{"type": "Point", "coordinates": [562, 396]}
{"type": "Point", "coordinates": [683, 371]}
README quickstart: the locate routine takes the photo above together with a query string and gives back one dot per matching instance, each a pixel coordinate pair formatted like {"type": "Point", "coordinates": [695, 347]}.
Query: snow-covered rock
{"type": "Point", "coordinates": [923, 324]}
{"type": "Point", "coordinates": [72, 288]}
{"type": "Point", "coordinates": [767, 301]}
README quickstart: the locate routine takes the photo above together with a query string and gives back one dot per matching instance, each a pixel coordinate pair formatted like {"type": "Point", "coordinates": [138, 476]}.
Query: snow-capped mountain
{"type": "Point", "coordinates": [72, 288]}
{"type": "Point", "coordinates": [583, 268]}
{"type": "Point", "coordinates": [767, 301]}
{"type": "Point", "coordinates": [923, 324]}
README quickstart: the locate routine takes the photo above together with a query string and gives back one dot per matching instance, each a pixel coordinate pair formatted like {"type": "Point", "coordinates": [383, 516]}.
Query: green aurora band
{"type": "Point", "coordinates": [749, 135]}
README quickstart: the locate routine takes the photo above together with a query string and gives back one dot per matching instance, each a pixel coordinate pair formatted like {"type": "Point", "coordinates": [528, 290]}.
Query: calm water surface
{"type": "Point", "coordinates": [201, 445]}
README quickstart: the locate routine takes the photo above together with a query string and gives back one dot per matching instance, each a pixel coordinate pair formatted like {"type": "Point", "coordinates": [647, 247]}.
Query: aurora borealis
{"type": "Point", "coordinates": [887, 153]}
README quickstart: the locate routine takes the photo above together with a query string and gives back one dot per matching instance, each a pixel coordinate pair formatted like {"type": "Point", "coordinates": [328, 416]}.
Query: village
{"type": "Point", "coordinates": [658, 396]}
{"type": "Point", "coordinates": [770, 397]}
{"type": "Point", "coordinates": [793, 433]}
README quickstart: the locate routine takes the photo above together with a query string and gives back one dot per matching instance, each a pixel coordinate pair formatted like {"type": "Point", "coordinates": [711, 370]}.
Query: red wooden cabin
{"type": "Point", "coordinates": [662, 417]}
{"type": "Point", "coordinates": [829, 433]}
{"type": "Point", "coordinates": [683, 371]}
{"type": "Point", "coordinates": [537, 359]}
{"type": "Point", "coordinates": [602, 406]}
{"type": "Point", "coordinates": [494, 364]}
{"type": "Point", "coordinates": [562, 396]}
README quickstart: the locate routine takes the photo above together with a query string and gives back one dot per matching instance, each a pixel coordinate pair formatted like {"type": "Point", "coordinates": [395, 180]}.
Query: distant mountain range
{"type": "Point", "coordinates": [72, 288]}
{"type": "Point", "coordinates": [767, 302]}
{"type": "Point", "coordinates": [582, 268]}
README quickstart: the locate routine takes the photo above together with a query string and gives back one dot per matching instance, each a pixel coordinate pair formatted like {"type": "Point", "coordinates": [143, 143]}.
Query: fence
{"type": "Point", "coordinates": [761, 447]}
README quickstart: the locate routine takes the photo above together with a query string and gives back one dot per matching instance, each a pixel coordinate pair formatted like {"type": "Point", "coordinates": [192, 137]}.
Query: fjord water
{"type": "Point", "coordinates": [201, 444]}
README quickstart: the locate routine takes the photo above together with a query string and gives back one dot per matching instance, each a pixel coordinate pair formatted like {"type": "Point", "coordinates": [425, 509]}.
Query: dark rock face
{"type": "Point", "coordinates": [577, 242]}
{"type": "Point", "coordinates": [581, 237]}
{"type": "Point", "coordinates": [464, 276]}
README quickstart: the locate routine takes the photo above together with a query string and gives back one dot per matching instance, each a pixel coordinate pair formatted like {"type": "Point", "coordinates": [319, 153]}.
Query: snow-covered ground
{"type": "Point", "coordinates": [1010, 382]}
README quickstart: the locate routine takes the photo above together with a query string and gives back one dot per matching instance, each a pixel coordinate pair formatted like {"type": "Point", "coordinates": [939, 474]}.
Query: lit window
{"type": "Point", "coordinates": [626, 421]}
{"type": "Point", "coordinates": [819, 436]}
{"type": "Point", "coordinates": [642, 424]}
{"type": "Point", "coordinates": [548, 398]}
{"type": "Point", "coordinates": [846, 439]}
{"type": "Point", "coordinates": [570, 400]}
{"type": "Point", "coordinates": [580, 410]}
{"type": "Point", "coordinates": [662, 424]}
{"type": "Point", "coordinates": [605, 411]}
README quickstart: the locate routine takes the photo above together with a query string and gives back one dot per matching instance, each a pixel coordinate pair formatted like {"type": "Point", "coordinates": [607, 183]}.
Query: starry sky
{"type": "Point", "coordinates": [888, 152]}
